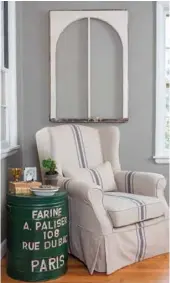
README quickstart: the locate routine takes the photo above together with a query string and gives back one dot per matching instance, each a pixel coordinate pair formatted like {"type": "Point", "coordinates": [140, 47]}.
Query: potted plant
{"type": "Point", "coordinates": [51, 172]}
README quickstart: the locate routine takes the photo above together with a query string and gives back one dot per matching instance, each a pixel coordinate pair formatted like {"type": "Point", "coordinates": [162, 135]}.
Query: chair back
{"type": "Point", "coordinates": [79, 146]}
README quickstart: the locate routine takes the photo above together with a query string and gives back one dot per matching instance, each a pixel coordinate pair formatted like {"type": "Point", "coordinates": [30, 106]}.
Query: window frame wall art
{"type": "Point", "coordinates": [59, 21]}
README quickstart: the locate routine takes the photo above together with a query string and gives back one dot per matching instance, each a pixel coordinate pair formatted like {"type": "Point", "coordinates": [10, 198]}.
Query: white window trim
{"type": "Point", "coordinates": [10, 147]}
{"type": "Point", "coordinates": [161, 156]}
{"type": "Point", "coordinates": [9, 151]}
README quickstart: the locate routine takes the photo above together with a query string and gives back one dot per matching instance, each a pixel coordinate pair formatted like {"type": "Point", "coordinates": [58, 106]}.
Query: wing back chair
{"type": "Point", "coordinates": [109, 229]}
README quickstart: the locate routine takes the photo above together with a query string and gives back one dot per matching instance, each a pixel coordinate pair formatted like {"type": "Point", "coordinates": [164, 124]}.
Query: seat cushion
{"type": "Point", "coordinates": [101, 175]}
{"type": "Point", "coordinates": [125, 209]}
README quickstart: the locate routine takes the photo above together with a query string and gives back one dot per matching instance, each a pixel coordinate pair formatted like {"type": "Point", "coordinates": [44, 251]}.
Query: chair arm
{"type": "Point", "coordinates": [141, 183]}
{"type": "Point", "coordinates": [88, 198]}
{"type": "Point", "coordinates": [78, 189]}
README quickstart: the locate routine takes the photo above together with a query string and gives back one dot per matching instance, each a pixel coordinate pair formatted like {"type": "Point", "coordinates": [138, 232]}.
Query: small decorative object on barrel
{"type": "Point", "coordinates": [18, 186]}
{"type": "Point", "coordinates": [51, 173]}
{"type": "Point", "coordinates": [30, 174]}
{"type": "Point", "coordinates": [16, 173]}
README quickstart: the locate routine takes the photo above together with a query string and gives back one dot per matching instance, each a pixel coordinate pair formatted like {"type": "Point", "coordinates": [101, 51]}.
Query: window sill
{"type": "Point", "coordinates": [161, 159]}
{"type": "Point", "coordinates": [9, 151]}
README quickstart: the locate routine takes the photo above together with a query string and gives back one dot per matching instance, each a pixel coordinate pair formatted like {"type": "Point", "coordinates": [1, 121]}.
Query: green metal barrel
{"type": "Point", "coordinates": [37, 236]}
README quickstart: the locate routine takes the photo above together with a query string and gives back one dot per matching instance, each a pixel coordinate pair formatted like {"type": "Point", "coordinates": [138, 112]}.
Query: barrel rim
{"type": "Point", "coordinates": [30, 200]}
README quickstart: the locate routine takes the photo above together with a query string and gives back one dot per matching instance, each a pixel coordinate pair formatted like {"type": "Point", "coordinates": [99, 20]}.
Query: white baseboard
{"type": "Point", "coordinates": [3, 248]}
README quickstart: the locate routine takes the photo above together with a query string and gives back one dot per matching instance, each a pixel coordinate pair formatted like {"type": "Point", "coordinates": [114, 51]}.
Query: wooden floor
{"type": "Point", "coordinates": [154, 270]}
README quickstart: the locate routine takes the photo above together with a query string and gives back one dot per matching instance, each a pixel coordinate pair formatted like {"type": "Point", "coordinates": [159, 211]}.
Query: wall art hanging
{"type": "Point", "coordinates": [89, 66]}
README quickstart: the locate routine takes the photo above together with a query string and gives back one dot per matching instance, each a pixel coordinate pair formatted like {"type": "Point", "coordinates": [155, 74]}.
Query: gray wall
{"type": "Point", "coordinates": [137, 136]}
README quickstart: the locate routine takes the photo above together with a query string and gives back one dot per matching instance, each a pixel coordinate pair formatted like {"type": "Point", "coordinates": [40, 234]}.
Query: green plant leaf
{"type": "Point", "coordinates": [50, 165]}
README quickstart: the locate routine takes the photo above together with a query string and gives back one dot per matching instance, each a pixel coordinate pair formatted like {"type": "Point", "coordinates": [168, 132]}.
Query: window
{"type": "Point", "coordinates": [8, 79]}
{"type": "Point", "coordinates": [162, 141]}
{"type": "Point", "coordinates": [167, 77]}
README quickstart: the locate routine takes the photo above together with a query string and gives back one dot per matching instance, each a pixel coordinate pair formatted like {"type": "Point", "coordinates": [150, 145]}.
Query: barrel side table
{"type": "Point", "coordinates": [37, 236]}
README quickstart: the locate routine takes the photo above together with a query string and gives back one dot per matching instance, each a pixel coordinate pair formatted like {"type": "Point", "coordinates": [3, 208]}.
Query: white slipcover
{"type": "Point", "coordinates": [99, 236]}
{"type": "Point", "coordinates": [125, 209]}
{"type": "Point", "coordinates": [101, 175]}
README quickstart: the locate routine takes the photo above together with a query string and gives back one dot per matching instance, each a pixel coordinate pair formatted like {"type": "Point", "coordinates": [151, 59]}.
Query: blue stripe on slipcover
{"type": "Point", "coordinates": [92, 175]}
{"type": "Point", "coordinates": [141, 244]}
{"type": "Point", "coordinates": [138, 245]}
{"type": "Point", "coordinates": [77, 146]}
{"type": "Point", "coordinates": [65, 183]}
{"type": "Point", "coordinates": [100, 178]}
{"type": "Point", "coordinates": [129, 182]}
{"type": "Point", "coordinates": [80, 147]}
{"type": "Point", "coordinates": [97, 180]}
{"type": "Point", "coordinates": [126, 182]}
{"type": "Point", "coordinates": [132, 185]}
{"type": "Point", "coordinates": [145, 242]}
{"type": "Point", "coordinates": [140, 231]}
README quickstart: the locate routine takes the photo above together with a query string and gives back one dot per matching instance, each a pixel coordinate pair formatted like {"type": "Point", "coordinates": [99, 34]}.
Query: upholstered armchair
{"type": "Point", "coordinates": [116, 217]}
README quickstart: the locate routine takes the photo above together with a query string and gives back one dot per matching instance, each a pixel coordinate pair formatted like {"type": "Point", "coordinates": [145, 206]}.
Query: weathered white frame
{"type": "Point", "coordinates": [10, 146]}
{"type": "Point", "coordinates": [59, 20]}
{"type": "Point", "coordinates": [161, 155]}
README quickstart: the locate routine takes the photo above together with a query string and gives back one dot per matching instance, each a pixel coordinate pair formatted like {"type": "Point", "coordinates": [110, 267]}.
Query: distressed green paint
{"type": "Point", "coordinates": [37, 237]}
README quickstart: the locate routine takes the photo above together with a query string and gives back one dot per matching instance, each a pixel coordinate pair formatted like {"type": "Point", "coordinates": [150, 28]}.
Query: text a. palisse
{"type": "Point", "coordinates": [49, 222]}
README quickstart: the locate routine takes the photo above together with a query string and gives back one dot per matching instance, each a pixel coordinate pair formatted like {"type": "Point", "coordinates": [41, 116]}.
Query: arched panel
{"type": "Point", "coordinates": [106, 71]}
{"type": "Point", "coordinates": [71, 72]}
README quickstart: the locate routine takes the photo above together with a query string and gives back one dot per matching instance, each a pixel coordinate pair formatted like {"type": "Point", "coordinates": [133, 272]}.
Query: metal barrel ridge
{"type": "Point", "coordinates": [37, 236]}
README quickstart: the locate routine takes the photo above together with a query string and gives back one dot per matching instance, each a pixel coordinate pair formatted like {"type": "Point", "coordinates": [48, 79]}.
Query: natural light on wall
{"type": "Point", "coordinates": [8, 93]}
{"type": "Point", "coordinates": [162, 130]}
{"type": "Point", "coordinates": [167, 77]}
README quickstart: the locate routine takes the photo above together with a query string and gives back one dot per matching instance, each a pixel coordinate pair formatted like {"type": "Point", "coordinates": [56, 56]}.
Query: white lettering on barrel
{"type": "Point", "coordinates": [46, 214]}
{"type": "Point", "coordinates": [56, 233]}
{"type": "Point", "coordinates": [37, 246]}
{"type": "Point", "coordinates": [48, 222]}
{"type": "Point", "coordinates": [62, 240]}
{"type": "Point", "coordinates": [40, 214]}
{"type": "Point", "coordinates": [52, 263]}
{"type": "Point", "coordinates": [57, 212]}
{"type": "Point", "coordinates": [51, 224]}
{"type": "Point", "coordinates": [34, 214]}
{"type": "Point", "coordinates": [50, 244]}
{"type": "Point", "coordinates": [47, 245]}
{"type": "Point", "coordinates": [31, 246]}
{"type": "Point", "coordinates": [44, 226]}
{"type": "Point", "coordinates": [37, 225]}
{"type": "Point", "coordinates": [34, 264]}
{"type": "Point", "coordinates": [54, 243]}
{"type": "Point", "coordinates": [61, 260]}
{"type": "Point", "coordinates": [43, 266]}
{"type": "Point", "coordinates": [26, 227]}
{"type": "Point", "coordinates": [24, 245]}
{"type": "Point", "coordinates": [50, 234]}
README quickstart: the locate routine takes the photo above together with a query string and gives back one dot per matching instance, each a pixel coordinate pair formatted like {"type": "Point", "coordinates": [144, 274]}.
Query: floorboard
{"type": "Point", "coordinates": [154, 270]}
